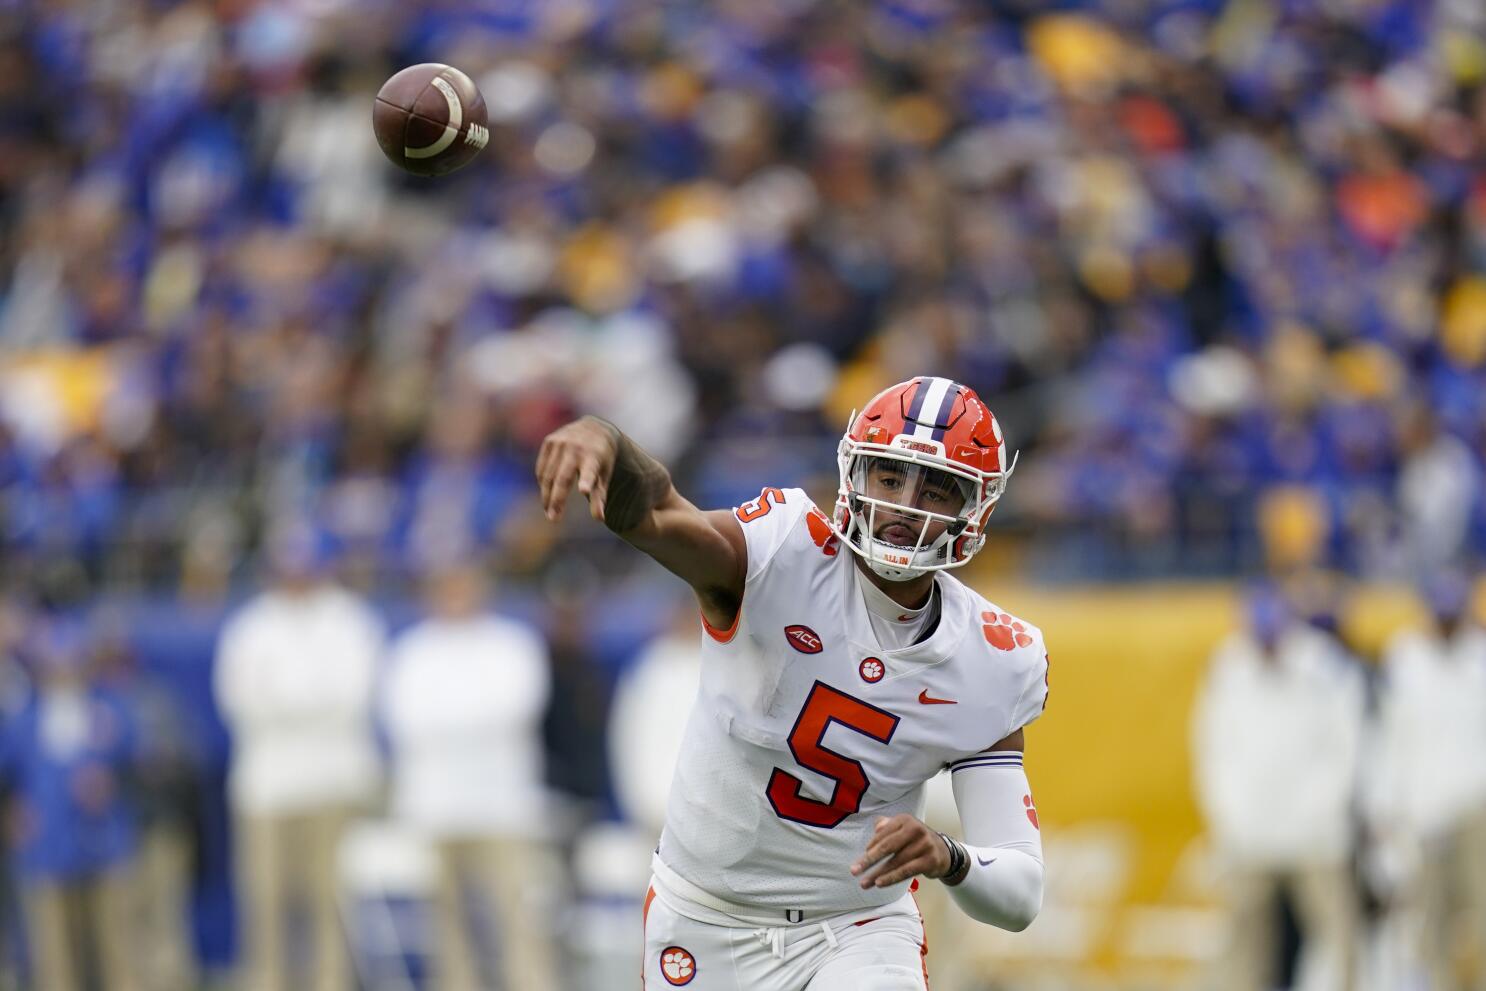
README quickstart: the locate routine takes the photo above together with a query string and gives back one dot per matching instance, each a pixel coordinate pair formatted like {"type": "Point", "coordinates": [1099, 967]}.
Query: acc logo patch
{"type": "Point", "coordinates": [804, 639]}
{"type": "Point", "coordinates": [677, 966]}
{"type": "Point", "coordinates": [871, 669]}
{"type": "Point", "coordinates": [1031, 812]}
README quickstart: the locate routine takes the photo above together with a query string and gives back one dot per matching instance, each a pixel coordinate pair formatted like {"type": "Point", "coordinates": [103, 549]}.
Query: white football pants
{"type": "Point", "coordinates": [880, 949]}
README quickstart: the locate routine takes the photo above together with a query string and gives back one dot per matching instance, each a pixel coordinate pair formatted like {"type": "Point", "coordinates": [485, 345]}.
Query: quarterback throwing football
{"type": "Point", "coordinates": [844, 666]}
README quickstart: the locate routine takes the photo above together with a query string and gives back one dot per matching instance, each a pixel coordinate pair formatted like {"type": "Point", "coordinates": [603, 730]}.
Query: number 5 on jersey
{"type": "Point", "coordinates": [758, 508]}
{"type": "Point", "coordinates": [823, 706]}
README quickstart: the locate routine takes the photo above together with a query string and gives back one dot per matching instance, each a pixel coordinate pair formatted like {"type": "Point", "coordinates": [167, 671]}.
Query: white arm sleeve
{"type": "Point", "coordinates": [1004, 885]}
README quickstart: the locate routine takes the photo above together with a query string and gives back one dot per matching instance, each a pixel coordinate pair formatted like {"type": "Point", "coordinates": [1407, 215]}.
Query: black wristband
{"type": "Point", "coordinates": [959, 861]}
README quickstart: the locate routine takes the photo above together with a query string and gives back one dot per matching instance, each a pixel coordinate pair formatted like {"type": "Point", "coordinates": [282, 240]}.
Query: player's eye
{"type": "Point", "coordinates": [887, 474]}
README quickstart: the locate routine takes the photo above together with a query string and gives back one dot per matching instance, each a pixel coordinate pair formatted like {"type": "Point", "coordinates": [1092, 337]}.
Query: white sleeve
{"type": "Point", "coordinates": [1004, 885]}
{"type": "Point", "coordinates": [767, 522]}
{"type": "Point", "coordinates": [1035, 687]}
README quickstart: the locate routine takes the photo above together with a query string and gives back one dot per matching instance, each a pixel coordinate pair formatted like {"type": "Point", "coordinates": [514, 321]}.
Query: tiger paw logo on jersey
{"type": "Point", "coordinates": [1031, 812]}
{"type": "Point", "coordinates": [677, 966]}
{"type": "Point", "coordinates": [872, 669]}
{"type": "Point", "coordinates": [804, 639]}
{"type": "Point", "coordinates": [1004, 631]}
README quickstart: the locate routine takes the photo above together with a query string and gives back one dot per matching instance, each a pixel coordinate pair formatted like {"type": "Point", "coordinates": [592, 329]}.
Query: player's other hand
{"type": "Point", "coordinates": [580, 453]}
{"type": "Point", "coordinates": [901, 847]}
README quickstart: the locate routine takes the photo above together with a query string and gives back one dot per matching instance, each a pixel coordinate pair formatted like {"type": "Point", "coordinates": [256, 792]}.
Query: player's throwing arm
{"type": "Point", "coordinates": [631, 493]}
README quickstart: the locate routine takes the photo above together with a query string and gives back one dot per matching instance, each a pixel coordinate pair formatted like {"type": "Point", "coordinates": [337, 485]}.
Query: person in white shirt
{"type": "Point", "coordinates": [1430, 796]}
{"type": "Point", "coordinates": [463, 703]}
{"type": "Point", "coordinates": [644, 739]}
{"type": "Point", "coordinates": [293, 680]}
{"type": "Point", "coordinates": [1276, 734]}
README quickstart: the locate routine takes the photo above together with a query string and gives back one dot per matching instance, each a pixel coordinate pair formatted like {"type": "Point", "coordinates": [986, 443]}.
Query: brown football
{"type": "Point", "coordinates": [430, 119]}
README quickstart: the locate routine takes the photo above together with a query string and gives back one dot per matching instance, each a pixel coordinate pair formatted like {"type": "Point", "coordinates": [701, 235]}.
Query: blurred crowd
{"type": "Point", "coordinates": [1219, 266]}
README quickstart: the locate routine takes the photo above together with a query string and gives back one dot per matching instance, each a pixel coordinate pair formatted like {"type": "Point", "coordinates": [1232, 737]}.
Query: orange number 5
{"type": "Point", "coordinates": [756, 508]}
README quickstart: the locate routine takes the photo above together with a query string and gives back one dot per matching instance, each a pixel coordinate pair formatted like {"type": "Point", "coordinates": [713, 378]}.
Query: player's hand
{"type": "Point", "coordinates": [581, 453]}
{"type": "Point", "coordinates": [901, 847]}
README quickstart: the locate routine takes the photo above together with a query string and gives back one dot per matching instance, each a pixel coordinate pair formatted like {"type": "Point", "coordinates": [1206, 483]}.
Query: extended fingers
{"type": "Point", "coordinates": [563, 473]}
{"type": "Point", "coordinates": [598, 497]}
{"type": "Point", "coordinates": [593, 483]}
{"type": "Point", "coordinates": [581, 453]}
{"type": "Point", "coordinates": [544, 455]}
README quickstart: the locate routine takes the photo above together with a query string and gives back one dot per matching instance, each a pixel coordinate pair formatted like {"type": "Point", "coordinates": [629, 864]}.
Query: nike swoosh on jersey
{"type": "Point", "coordinates": [985, 863]}
{"type": "Point", "coordinates": [926, 699]}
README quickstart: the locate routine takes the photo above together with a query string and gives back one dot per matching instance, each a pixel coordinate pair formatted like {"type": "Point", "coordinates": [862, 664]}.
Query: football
{"type": "Point", "coordinates": [430, 119]}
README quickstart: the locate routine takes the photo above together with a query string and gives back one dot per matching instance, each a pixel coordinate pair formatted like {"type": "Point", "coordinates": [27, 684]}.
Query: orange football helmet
{"type": "Point", "coordinates": [921, 469]}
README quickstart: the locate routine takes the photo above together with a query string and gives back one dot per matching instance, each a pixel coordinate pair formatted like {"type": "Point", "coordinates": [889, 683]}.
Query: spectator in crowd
{"type": "Point", "coordinates": [645, 733]}
{"type": "Point", "coordinates": [162, 790]}
{"type": "Point", "coordinates": [294, 680]}
{"type": "Point", "coordinates": [1276, 736]}
{"type": "Point", "coordinates": [1429, 797]}
{"type": "Point", "coordinates": [462, 702]}
{"type": "Point", "coordinates": [576, 724]}
{"type": "Point", "coordinates": [71, 757]}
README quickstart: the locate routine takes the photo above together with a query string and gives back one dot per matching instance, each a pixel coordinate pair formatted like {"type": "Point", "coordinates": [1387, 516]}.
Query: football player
{"type": "Point", "coordinates": [844, 666]}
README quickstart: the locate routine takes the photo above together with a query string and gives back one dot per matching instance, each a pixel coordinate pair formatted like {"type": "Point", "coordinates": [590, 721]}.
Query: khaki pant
{"type": "Point", "coordinates": [69, 921]}
{"type": "Point", "coordinates": [161, 907]}
{"type": "Point", "coordinates": [1452, 899]}
{"type": "Point", "coordinates": [513, 880]}
{"type": "Point", "coordinates": [283, 863]}
{"type": "Point", "coordinates": [1325, 905]}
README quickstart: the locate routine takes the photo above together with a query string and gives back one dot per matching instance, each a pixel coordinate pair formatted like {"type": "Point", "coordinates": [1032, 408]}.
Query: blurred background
{"type": "Point", "coordinates": [297, 688]}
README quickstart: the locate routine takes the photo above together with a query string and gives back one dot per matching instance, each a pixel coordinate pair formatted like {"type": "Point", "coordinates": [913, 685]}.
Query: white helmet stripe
{"type": "Point", "coordinates": [935, 390]}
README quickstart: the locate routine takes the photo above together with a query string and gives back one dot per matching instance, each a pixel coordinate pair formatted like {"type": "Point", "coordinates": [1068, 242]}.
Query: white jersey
{"type": "Point", "coordinates": [805, 730]}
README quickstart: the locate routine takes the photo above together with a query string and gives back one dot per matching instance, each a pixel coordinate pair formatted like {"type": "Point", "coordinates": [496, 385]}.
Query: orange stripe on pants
{"type": "Point", "coordinates": [644, 920]}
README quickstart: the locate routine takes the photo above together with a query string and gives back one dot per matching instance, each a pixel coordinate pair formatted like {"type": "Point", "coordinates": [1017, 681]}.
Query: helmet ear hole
{"type": "Point", "coordinates": [958, 527]}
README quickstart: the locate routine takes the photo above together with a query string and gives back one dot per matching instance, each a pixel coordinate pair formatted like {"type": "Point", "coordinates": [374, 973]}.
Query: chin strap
{"type": "Point", "coordinates": [857, 523]}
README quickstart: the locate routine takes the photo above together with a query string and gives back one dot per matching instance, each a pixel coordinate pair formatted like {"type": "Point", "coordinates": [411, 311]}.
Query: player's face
{"type": "Point", "coordinates": [913, 486]}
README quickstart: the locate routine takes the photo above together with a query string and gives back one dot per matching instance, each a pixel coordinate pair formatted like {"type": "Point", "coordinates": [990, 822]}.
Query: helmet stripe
{"type": "Point", "coordinates": [931, 398]}
{"type": "Point", "coordinates": [920, 389]}
{"type": "Point", "coordinates": [946, 405]}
